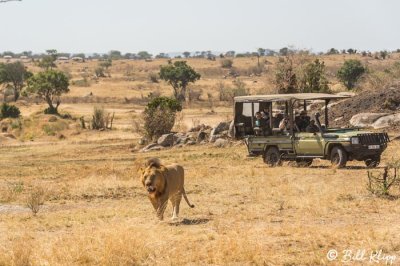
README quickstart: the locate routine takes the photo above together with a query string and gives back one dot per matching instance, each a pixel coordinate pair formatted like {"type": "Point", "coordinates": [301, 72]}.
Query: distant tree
{"type": "Point", "coordinates": [49, 85]}
{"type": "Point", "coordinates": [81, 55]}
{"type": "Point", "coordinates": [332, 51]}
{"type": "Point", "coordinates": [162, 55]}
{"type": "Point", "coordinates": [144, 55]}
{"type": "Point", "coordinates": [284, 51]}
{"type": "Point", "coordinates": [230, 54]}
{"type": "Point", "coordinates": [106, 63]}
{"type": "Point", "coordinates": [384, 54]}
{"type": "Point", "coordinates": [129, 56]}
{"type": "Point", "coordinates": [351, 51]}
{"type": "Point", "coordinates": [48, 61]}
{"type": "Point", "coordinates": [27, 53]}
{"type": "Point", "coordinates": [186, 54]}
{"type": "Point", "coordinates": [179, 74]}
{"type": "Point", "coordinates": [314, 79]}
{"type": "Point", "coordinates": [14, 75]}
{"type": "Point", "coordinates": [364, 53]}
{"type": "Point", "coordinates": [285, 76]}
{"type": "Point", "coordinates": [343, 51]}
{"type": "Point", "coordinates": [261, 51]}
{"type": "Point", "coordinates": [115, 55]}
{"type": "Point", "coordinates": [350, 73]}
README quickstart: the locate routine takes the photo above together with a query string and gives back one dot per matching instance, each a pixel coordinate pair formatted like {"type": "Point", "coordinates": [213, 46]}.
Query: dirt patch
{"type": "Point", "coordinates": [384, 101]}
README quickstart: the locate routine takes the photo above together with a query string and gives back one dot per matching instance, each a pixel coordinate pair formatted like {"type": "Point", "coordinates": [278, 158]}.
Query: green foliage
{"type": "Point", "coordinates": [179, 74]}
{"type": "Point", "coordinates": [159, 116]}
{"type": "Point", "coordinates": [144, 55]}
{"type": "Point", "coordinates": [7, 110]}
{"type": "Point", "coordinates": [284, 51]}
{"type": "Point", "coordinates": [115, 55]}
{"type": "Point", "coordinates": [314, 79]}
{"type": "Point", "coordinates": [164, 103]}
{"type": "Point", "coordinates": [332, 51]}
{"type": "Point", "coordinates": [49, 85]}
{"type": "Point", "coordinates": [14, 75]}
{"type": "Point", "coordinates": [350, 73]}
{"type": "Point", "coordinates": [285, 76]}
{"type": "Point", "coordinates": [226, 63]}
{"type": "Point", "coordinates": [106, 63]}
{"type": "Point", "coordinates": [101, 120]}
{"type": "Point", "coordinates": [186, 54]}
{"type": "Point", "coordinates": [48, 61]}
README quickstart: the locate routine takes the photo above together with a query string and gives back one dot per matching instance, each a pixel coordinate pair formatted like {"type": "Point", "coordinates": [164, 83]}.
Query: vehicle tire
{"type": "Point", "coordinates": [338, 157]}
{"type": "Point", "coordinates": [304, 162]}
{"type": "Point", "coordinates": [272, 157]}
{"type": "Point", "coordinates": [373, 161]}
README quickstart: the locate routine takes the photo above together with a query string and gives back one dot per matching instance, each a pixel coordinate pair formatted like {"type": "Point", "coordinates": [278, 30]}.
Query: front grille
{"type": "Point", "coordinates": [373, 138]}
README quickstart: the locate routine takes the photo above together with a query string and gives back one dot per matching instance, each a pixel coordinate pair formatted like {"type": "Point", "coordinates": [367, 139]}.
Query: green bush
{"type": "Point", "coordinates": [314, 79]}
{"type": "Point", "coordinates": [350, 73]}
{"type": "Point", "coordinates": [7, 110]}
{"type": "Point", "coordinates": [159, 116]}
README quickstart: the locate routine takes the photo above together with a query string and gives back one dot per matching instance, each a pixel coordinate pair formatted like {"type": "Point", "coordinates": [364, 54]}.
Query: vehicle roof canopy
{"type": "Point", "coordinates": [288, 97]}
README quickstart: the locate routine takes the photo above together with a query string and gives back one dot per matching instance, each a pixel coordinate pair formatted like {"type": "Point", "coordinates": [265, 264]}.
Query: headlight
{"type": "Point", "coordinates": [355, 141]}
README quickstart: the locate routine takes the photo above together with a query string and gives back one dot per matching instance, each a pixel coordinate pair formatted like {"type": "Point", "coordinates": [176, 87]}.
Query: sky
{"type": "Point", "coordinates": [156, 26]}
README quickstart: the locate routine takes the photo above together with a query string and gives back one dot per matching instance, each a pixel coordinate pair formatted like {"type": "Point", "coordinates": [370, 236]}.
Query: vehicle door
{"type": "Point", "coordinates": [310, 144]}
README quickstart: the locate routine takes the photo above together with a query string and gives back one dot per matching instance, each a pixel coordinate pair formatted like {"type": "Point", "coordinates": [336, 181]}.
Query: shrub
{"type": "Point", "coordinates": [314, 79]}
{"type": "Point", "coordinates": [7, 110]}
{"type": "Point", "coordinates": [381, 183]}
{"type": "Point", "coordinates": [229, 93]}
{"type": "Point", "coordinates": [285, 76]}
{"type": "Point", "coordinates": [35, 199]}
{"type": "Point", "coordinates": [99, 72]}
{"type": "Point", "coordinates": [101, 119]}
{"type": "Point", "coordinates": [226, 63]}
{"type": "Point", "coordinates": [350, 73]}
{"type": "Point", "coordinates": [159, 116]}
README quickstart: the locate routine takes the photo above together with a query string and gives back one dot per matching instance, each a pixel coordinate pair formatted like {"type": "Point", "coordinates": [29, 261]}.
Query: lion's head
{"type": "Point", "coordinates": [152, 177]}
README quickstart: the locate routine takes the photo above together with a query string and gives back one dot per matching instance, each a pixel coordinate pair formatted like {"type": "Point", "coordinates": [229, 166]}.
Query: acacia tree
{"type": "Point", "coordinates": [179, 75]}
{"type": "Point", "coordinates": [14, 76]}
{"type": "Point", "coordinates": [314, 79]}
{"type": "Point", "coordinates": [49, 85]}
{"type": "Point", "coordinates": [48, 61]}
{"type": "Point", "coordinates": [350, 73]}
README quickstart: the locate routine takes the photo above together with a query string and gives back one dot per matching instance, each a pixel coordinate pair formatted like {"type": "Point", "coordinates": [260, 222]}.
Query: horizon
{"type": "Point", "coordinates": [174, 27]}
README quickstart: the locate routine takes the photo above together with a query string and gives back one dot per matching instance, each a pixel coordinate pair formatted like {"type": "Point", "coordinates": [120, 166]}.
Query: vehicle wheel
{"type": "Point", "coordinates": [304, 162]}
{"type": "Point", "coordinates": [338, 157]}
{"type": "Point", "coordinates": [373, 162]}
{"type": "Point", "coordinates": [272, 157]}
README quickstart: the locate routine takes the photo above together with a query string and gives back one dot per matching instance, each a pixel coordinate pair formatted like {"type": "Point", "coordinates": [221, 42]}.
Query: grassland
{"type": "Point", "coordinates": [96, 212]}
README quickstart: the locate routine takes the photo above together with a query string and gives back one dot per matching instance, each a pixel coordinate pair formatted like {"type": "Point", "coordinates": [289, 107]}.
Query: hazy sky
{"type": "Point", "coordinates": [178, 25]}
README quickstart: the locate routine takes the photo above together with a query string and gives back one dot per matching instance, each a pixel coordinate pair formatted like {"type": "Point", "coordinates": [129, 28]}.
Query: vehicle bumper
{"type": "Point", "coordinates": [362, 152]}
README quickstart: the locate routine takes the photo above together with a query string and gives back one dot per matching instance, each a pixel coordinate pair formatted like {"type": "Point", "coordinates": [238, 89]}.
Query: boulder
{"type": "Point", "coordinates": [201, 136]}
{"type": "Point", "coordinates": [152, 147]}
{"type": "Point", "coordinates": [365, 119]}
{"type": "Point", "coordinates": [179, 138]}
{"type": "Point", "coordinates": [386, 121]}
{"type": "Point", "coordinates": [221, 143]}
{"type": "Point", "coordinates": [166, 140]}
{"type": "Point", "coordinates": [231, 131]}
{"type": "Point", "coordinates": [222, 126]}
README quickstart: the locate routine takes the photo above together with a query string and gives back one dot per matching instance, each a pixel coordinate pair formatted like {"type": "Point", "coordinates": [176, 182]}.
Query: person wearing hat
{"type": "Point", "coordinates": [303, 121]}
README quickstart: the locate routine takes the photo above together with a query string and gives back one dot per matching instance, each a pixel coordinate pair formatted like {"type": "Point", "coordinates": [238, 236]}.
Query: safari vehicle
{"type": "Point", "coordinates": [338, 145]}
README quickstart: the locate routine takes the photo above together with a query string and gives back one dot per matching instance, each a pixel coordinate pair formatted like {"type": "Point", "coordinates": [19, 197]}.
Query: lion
{"type": "Point", "coordinates": [163, 183]}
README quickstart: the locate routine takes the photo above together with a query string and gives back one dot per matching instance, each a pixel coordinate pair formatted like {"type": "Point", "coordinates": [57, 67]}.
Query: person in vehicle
{"type": "Point", "coordinates": [261, 125]}
{"type": "Point", "coordinates": [284, 125]}
{"type": "Point", "coordinates": [302, 121]}
{"type": "Point", "coordinates": [312, 127]}
{"type": "Point", "coordinates": [277, 120]}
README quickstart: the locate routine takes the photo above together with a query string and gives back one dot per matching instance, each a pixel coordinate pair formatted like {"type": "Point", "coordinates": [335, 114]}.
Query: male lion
{"type": "Point", "coordinates": [163, 183]}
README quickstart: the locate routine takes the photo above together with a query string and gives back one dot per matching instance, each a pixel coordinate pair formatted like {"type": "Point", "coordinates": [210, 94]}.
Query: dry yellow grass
{"type": "Point", "coordinates": [96, 212]}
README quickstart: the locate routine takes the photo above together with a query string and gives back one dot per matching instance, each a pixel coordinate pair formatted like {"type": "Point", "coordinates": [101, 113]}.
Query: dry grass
{"type": "Point", "coordinates": [96, 211]}
{"type": "Point", "coordinates": [246, 213]}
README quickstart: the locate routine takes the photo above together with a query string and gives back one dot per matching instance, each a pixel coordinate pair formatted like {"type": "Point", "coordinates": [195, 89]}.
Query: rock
{"type": "Point", "coordinates": [365, 119]}
{"type": "Point", "coordinates": [9, 135]}
{"type": "Point", "coordinates": [166, 140]}
{"type": "Point", "coordinates": [222, 126]}
{"type": "Point", "coordinates": [231, 131]}
{"type": "Point", "coordinates": [201, 136]}
{"type": "Point", "coordinates": [152, 147]}
{"type": "Point", "coordinates": [191, 142]}
{"type": "Point", "coordinates": [221, 143]}
{"type": "Point", "coordinates": [386, 121]}
{"type": "Point", "coordinates": [214, 138]}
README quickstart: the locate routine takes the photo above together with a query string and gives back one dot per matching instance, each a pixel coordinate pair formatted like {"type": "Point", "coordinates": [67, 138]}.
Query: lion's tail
{"type": "Point", "coordinates": [186, 199]}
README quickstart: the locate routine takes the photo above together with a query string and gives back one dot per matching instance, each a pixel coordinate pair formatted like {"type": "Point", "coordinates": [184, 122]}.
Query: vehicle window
{"type": "Point", "coordinates": [247, 109]}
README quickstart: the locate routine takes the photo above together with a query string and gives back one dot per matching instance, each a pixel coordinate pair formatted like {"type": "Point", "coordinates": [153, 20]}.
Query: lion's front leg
{"type": "Point", "coordinates": [162, 205]}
